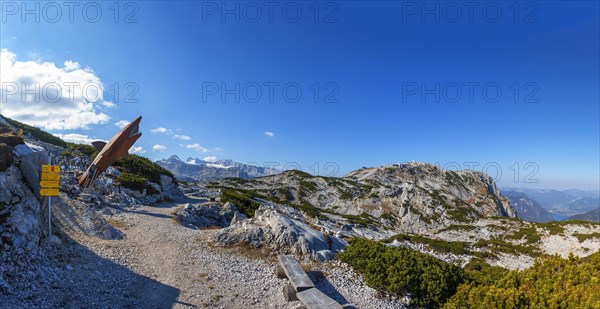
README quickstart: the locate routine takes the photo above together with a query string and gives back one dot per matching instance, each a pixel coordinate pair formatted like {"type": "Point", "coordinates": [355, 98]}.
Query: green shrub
{"type": "Point", "coordinates": [308, 186]}
{"type": "Point", "coordinates": [554, 228]}
{"type": "Point", "coordinates": [498, 245]}
{"type": "Point", "coordinates": [389, 217]}
{"type": "Point", "coordinates": [479, 272]}
{"type": "Point", "coordinates": [243, 200]}
{"type": "Point", "coordinates": [345, 195]}
{"type": "Point", "coordinates": [529, 233]}
{"type": "Point", "coordinates": [132, 181]}
{"type": "Point", "coordinates": [552, 282]}
{"type": "Point", "coordinates": [458, 227]}
{"type": "Point", "coordinates": [442, 246]}
{"type": "Point", "coordinates": [142, 167]}
{"type": "Point", "coordinates": [401, 270]}
{"type": "Point", "coordinates": [79, 149]}
{"type": "Point", "coordinates": [37, 133]}
{"type": "Point", "coordinates": [362, 219]}
{"type": "Point", "coordinates": [584, 237]}
{"type": "Point", "coordinates": [310, 210]}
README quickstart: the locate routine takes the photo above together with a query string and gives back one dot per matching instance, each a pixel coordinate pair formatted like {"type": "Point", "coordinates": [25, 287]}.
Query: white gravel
{"type": "Point", "coordinates": [162, 264]}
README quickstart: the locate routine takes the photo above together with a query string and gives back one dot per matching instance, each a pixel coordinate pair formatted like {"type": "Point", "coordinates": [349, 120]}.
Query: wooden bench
{"type": "Point", "coordinates": [289, 267]}
{"type": "Point", "coordinates": [301, 287]}
{"type": "Point", "coordinates": [315, 299]}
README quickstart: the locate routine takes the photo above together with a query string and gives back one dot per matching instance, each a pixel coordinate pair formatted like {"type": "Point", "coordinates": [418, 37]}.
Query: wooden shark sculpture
{"type": "Point", "coordinates": [117, 148]}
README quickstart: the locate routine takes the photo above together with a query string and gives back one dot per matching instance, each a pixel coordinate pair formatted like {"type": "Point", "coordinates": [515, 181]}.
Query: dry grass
{"type": "Point", "coordinates": [371, 206]}
{"type": "Point", "coordinates": [119, 224]}
{"type": "Point", "coordinates": [214, 227]}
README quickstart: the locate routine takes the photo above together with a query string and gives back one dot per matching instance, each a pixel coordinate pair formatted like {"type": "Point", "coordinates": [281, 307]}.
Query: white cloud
{"type": "Point", "coordinates": [45, 95]}
{"type": "Point", "coordinates": [122, 123]}
{"type": "Point", "coordinates": [218, 149]}
{"type": "Point", "coordinates": [161, 130]}
{"type": "Point", "coordinates": [210, 159]}
{"type": "Point", "coordinates": [182, 137]}
{"type": "Point", "coordinates": [158, 147]}
{"type": "Point", "coordinates": [108, 104]}
{"type": "Point", "coordinates": [137, 150]}
{"type": "Point", "coordinates": [196, 147]}
{"type": "Point", "coordinates": [71, 66]}
{"type": "Point", "coordinates": [269, 134]}
{"type": "Point", "coordinates": [77, 138]}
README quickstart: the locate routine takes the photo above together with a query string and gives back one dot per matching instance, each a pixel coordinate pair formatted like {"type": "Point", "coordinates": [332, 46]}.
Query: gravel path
{"type": "Point", "coordinates": [184, 271]}
{"type": "Point", "coordinates": [162, 264]}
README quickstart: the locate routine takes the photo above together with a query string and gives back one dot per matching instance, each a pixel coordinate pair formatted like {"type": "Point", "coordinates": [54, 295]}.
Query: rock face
{"type": "Point", "coordinates": [20, 214]}
{"type": "Point", "coordinates": [21, 217]}
{"type": "Point", "coordinates": [199, 170]}
{"type": "Point", "coordinates": [528, 209]}
{"type": "Point", "coordinates": [6, 156]}
{"type": "Point", "coordinates": [278, 232]}
{"type": "Point", "coordinates": [31, 158]}
{"type": "Point", "coordinates": [411, 197]}
{"type": "Point", "coordinates": [592, 216]}
{"type": "Point", "coordinates": [71, 214]}
{"type": "Point", "coordinates": [208, 215]}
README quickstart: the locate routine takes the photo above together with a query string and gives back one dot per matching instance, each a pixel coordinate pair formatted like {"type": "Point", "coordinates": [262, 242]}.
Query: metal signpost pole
{"type": "Point", "coordinates": [49, 205]}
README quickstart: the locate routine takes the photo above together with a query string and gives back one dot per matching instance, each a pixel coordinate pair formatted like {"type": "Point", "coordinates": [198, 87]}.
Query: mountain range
{"type": "Point", "coordinates": [562, 204]}
{"type": "Point", "coordinates": [194, 169]}
{"type": "Point", "coordinates": [528, 209]}
{"type": "Point", "coordinates": [592, 216]}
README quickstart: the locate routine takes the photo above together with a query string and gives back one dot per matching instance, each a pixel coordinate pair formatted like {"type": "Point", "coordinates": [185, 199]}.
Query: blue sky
{"type": "Point", "coordinates": [378, 67]}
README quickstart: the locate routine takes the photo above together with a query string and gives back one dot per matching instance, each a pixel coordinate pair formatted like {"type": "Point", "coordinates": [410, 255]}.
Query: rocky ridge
{"type": "Point", "coordinates": [410, 197]}
{"type": "Point", "coordinates": [455, 216]}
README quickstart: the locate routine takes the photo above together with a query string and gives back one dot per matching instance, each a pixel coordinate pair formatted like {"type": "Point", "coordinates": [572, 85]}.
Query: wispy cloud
{"type": "Point", "coordinates": [77, 138]}
{"type": "Point", "coordinates": [137, 150]}
{"type": "Point", "coordinates": [181, 137]}
{"type": "Point", "coordinates": [197, 147]}
{"type": "Point", "coordinates": [210, 159]}
{"type": "Point", "coordinates": [122, 123]}
{"type": "Point", "coordinates": [159, 147]}
{"type": "Point", "coordinates": [269, 134]}
{"type": "Point", "coordinates": [109, 104]}
{"type": "Point", "coordinates": [161, 130]}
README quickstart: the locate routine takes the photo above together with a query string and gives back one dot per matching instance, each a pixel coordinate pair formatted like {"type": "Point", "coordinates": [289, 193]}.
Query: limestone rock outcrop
{"type": "Point", "coordinates": [280, 233]}
{"type": "Point", "coordinates": [207, 215]}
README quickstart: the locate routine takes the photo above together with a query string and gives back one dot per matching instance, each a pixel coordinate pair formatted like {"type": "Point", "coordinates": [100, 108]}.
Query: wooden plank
{"type": "Point", "coordinates": [298, 278]}
{"type": "Point", "coordinates": [315, 299]}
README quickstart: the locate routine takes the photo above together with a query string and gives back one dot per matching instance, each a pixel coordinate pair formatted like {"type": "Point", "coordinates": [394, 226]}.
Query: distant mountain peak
{"type": "Point", "coordinates": [174, 157]}
{"type": "Point", "coordinates": [196, 169]}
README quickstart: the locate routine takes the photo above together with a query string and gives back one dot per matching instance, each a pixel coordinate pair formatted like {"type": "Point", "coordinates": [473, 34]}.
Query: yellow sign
{"type": "Point", "coordinates": [50, 168]}
{"type": "Point", "coordinates": [50, 176]}
{"type": "Point", "coordinates": [49, 184]}
{"type": "Point", "coordinates": [49, 192]}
